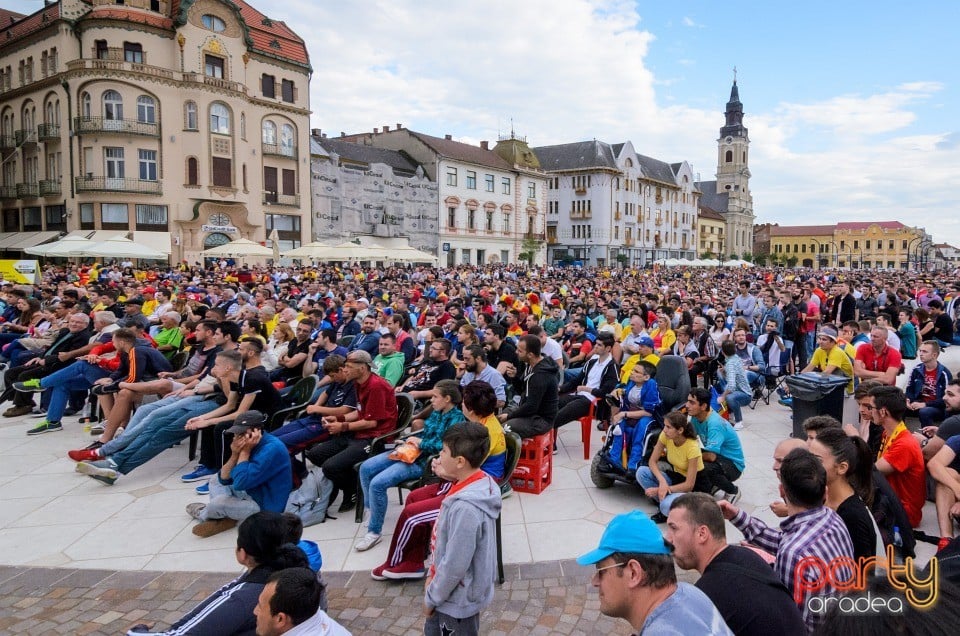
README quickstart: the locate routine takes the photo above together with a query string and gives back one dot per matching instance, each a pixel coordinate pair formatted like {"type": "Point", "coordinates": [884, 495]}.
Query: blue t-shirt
{"type": "Point", "coordinates": [954, 444]}
{"type": "Point", "coordinates": [718, 436]}
{"type": "Point", "coordinates": [686, 611]}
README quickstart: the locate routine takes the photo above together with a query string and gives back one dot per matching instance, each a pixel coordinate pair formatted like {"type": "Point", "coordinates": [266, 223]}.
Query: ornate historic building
{"type": "Point", "coordinates": [183, 123]}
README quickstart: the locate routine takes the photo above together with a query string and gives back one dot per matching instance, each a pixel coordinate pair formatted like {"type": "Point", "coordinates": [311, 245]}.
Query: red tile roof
{"type": "Point", "coordinates": [26, 25]}
{"type": "Point", "coordinates": [7, 17]}
{"type": "Point", "coordinates": [128, 14]}
{"type": "Point", "coordinates": [801, 230]}
{"type": "Point", "coordinates": [463, 152]}
{"type": "Point", "coordinates": [862, 225]}
{"type": "Point", "coordinates": [273, 37]}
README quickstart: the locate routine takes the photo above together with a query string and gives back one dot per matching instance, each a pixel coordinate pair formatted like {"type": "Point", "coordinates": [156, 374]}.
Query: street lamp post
{"type": "Point", "coordinates": [910, 248]}
{"type": "Point", "coordinates": [819, 251]}
{"type": "Point", "coordinates": [836, 254]}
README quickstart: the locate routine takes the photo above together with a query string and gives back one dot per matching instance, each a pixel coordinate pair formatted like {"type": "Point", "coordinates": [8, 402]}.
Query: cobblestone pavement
{"type": "Point", "coordinates": [537, 599]}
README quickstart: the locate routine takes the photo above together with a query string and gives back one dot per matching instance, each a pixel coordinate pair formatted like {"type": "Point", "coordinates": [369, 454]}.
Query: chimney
{"type": "Point", "coordinates": [448, 137]}
{"type": "Point", "coordinates": [386, 129]}
{"type": "Point", "coordinates": [323, 136]}
{"type": "Point", "coordinates": [343, 134]}
{"type": "Point", "coordinates": [376, 131]}
{"type": "Point", "coordinates": [485, 145]}
{"type": "Point", "coordinates": [399, 126]}
{"type": "Point", "coordinates": [315, 132]}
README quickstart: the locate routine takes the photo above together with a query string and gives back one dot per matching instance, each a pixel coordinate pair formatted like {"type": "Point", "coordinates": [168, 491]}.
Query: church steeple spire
{"type": "Point", "coordinates": [734, 114]}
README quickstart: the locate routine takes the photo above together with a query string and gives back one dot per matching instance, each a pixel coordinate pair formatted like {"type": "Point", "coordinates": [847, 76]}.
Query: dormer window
{"type": "Point", "coordinates": [213, 23]}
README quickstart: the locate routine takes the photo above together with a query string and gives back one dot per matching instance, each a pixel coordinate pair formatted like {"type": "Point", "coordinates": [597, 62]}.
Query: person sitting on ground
{"type": "Point", "coordinates": [932, 438]}
{"type": "Point", "coordinates": [256, 477]}
{"type": "Point", "coordinates": [926, 386]}
{"type": "Point", "coordinates": [723, 460]}
{"type": "Point", "coordinates": [290, 603]}
{"type": "Point", "coordinates": [944, 469]}
{"type": "Point", "coordinates": [900, 459]}
{"type": "Point", "coordinates": [737, 390]}
{"type": "Point", "coordinates": [679, 447]}
{"type": "Point", "coordinates": [411, 536]}
{"type": "Point", "coordinates": [637, 581]}
{"type": "Point", "coordinates": [810, 530]}
{"type": "Point", "coordinates": [743, 587]}
{"type": "Point", "coordinates": [262, 549]}
{"type": "Point", "coordinates": [381, 472]}
{"type": "Point", "coordinates": [781, 450]}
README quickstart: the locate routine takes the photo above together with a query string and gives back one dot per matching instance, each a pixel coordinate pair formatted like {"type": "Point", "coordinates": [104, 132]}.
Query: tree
{"type": "Point", "coordinates": [529, 249]}
{"type": "Point", "coordinates": [791, 261]}
{"type": "Point", "coordinates": [733, 256]}
{"type": "Point", "coordinates": [622, 259]}
{"type": "Point", "coordinates": [761, 259]}
{"type": "Point", "coordinates": [747, 256]}
{"type": "Point", "coordinates": [708, 256]}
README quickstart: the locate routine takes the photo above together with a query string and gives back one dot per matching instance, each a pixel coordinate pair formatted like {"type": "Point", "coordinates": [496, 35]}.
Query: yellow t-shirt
{"type": "Point", "coordinates": [680, 456]}
{"type": "Point", "coordinates": [498, 443]}
{"type": "Point", "coordinates": [836, 358]}
{"type": "Point", "coordinates": [632, 362]}
{"type": "Point", "coordinates": [149, 306]}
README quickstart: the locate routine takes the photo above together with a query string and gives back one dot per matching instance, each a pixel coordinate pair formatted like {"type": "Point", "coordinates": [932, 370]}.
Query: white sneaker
{"type": "Point", "coordinates": [738, 426]}
{"type": "Point", "coordinates": [735, 497]}
{"type": "Point", "coordinates": [368, 541]}
{"type": "Point", "coordinates": [720, 495]}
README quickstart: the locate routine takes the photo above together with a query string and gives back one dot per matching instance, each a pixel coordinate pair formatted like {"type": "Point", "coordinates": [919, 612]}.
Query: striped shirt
{"type": "Point", "coordinates": [818, 532]}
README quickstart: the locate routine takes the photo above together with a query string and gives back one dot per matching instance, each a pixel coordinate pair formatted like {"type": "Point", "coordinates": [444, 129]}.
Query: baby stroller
{"type": "Point", "coordinates": [631, 446]}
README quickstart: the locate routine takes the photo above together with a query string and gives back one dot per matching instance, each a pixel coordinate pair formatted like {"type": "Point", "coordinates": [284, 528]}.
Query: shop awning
{"type": "Point", "coordinates": [36, 239]}
{"type": "Point", "coordinates": [12, 240]}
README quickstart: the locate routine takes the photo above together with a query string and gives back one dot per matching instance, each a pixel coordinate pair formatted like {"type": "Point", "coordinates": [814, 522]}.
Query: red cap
{"type": "Point", "coordinates": [149, 290]}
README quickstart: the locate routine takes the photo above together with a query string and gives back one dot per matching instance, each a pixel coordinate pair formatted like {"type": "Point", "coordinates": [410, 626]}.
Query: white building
{"type": "Point", "coordinates": [491, 201]}
{"type": "Point", "coordinates": [608, 205]}
{"type": "Point", "coordinates": [359, 190]}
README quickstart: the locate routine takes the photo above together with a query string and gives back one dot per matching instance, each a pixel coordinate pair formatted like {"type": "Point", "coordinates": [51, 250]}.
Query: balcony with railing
{"type": "Point", "coordinates": [276, 198]}
{"type": "Point", "coordinates": [8, 142]}
{"type": "Point", "coordinates": [120, 64]}
{"type": "Point", "coordinates": [28, 190]}
{"type": "Point", "coordinates": [533, 236]}
{"type": "Point", "coordinates": [277, 150]}
{"type": "Point", "coordinates": [25, 137]}
{"type": "Point", "coordinates": [48, 132]}
{"type": "Point", "coordinates": [49, 187]}
{"type": "Point", "coordinates": [8, 192]}
{"type": "Point", "coordinates": [216, 82]}
{"type": "Point", "coordinates": [114, 184]}
{"type": "Point", "coordinates": [580, 190]}
{"type": "Point", "coordinates": [86, 125]}
{"type": "Point", "coordinates": [552, 239]}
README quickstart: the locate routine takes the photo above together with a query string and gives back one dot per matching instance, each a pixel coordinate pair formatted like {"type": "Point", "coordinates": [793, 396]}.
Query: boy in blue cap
{"type": "Point", "coordinates": [636, 580]}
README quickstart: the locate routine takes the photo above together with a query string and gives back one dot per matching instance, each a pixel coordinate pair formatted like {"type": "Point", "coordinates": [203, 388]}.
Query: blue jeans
{"type": "Point", "coordinates": [646, 480]}
{"type": "Point", "coordinates": [377, 475]}
{"type": "Point", "coordinates": [301, 431]}
{"type": "Point", "coordinates": [735, 400]}
{"type": "Point", "coordinates": [160, 432]}
{"type": "Point", "coordinates": [79, 376]}
{"type": "Point", "coordinates": [139, 421]}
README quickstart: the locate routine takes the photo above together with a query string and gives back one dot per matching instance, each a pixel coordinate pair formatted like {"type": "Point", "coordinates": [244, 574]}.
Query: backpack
{"type": "Point", "coordinates": [311, 500]}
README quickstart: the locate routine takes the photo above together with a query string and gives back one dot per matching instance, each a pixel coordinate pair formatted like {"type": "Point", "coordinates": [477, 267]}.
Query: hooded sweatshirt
{"type": "Point", "coordinates": [390, 367]}
{"type": "Point", "coordinates": [540, 392]}
{"type": "Point", "coordinates": [465, 548]}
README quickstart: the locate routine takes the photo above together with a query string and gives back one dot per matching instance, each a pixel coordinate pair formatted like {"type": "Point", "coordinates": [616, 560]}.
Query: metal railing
{"type": "Point", "coordinates": [28, 190]}
{"type": "Point", "coordinates": [8, 192]}
{"type": "Point", "coordinates": [48, 132]}
{"type": "Point", "coordinates": [217, 82]}
{"type": "Point", "coordinates": [276, 150]}
{"type": "Point", "coordinates": [84, 125]}
{"type": "Point", "coordinates": [113, 184]}
{"type": "Point", "coordinates": [49, 187]}
{"type": "Point", "coordinates": [275, 198]}
{"type": "Point", "coordinates": [25, 136]}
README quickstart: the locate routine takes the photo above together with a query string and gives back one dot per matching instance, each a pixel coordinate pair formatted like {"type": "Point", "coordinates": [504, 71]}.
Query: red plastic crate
{"type": "Point", "coordinates": [534, 471]}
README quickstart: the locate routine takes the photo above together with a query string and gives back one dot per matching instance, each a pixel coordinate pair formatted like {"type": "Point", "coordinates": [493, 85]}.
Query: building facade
{"type": "Point", "coordinates": [730, 194]}
{"type": "Point", "coordinates": [491, 201]}
{"type": "Point", "coordinates": [711, 232]}
{"type": "Point", "coordinates": [855, 245]}
{"type": "Point", "coordinates": [360, 190]}
{"type": "Point", "coordinates": [183, 124]}
{"type": "Point", "coordinates": [609, 205]}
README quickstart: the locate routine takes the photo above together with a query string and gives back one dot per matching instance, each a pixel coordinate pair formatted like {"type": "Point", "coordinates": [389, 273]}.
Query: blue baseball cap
{"type": "Point", "coordinates": [631, 532]}
{"type": "Point", "coordinates": [645, 341]}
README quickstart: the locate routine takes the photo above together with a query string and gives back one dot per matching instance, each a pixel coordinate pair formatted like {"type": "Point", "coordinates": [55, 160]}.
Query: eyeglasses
{"type": "Point", "coordinates": [599, 571]}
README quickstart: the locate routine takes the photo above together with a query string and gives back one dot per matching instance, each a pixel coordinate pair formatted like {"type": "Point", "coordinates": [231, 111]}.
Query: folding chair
{"type": "Point", "coordinates": [774, 377]}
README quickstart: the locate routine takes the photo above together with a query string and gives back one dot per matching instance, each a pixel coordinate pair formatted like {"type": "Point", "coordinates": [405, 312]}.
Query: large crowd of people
{"type": "Point", "coordinates": [148, 357]}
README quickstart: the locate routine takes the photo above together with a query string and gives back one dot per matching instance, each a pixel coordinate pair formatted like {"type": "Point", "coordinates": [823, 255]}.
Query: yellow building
{"type": "Point", "coordinates": [710, 233]}
{"type": "Point", "coordinates": [857, 245]}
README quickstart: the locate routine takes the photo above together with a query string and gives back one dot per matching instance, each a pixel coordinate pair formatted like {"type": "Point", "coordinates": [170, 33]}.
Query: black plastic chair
{"type": "Point", "coordinates": [294, 402]}
{"type": "Point", "coordinates": [179, 360]}
{"type": "Point", "coordinates": [377, 444]}
{"type": "Point", "coordinates": [345, 341]}
{"type": "Point", "coordinates": [514, 444]}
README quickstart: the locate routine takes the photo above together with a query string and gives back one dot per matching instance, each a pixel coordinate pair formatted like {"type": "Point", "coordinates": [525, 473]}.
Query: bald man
{"type": "Point", "coordinates": [783, 449]}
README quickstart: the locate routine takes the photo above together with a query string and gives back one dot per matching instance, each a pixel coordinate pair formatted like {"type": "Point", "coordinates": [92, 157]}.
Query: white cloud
{"type": "Point", "coordinates": [689, 22]}
{"type": "Point", "coordinates": [570, 70]}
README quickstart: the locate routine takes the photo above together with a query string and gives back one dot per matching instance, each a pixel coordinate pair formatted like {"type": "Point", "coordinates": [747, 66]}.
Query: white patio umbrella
{"type": "Point", "coordinates": [410, 254]}
{"type": "Point", "coordinates": [240, 247]}
{"type": "Point", "coordinates": [67, 246]}
{"type": "Point", "coordinates": [121, 247]}
{"type": "Point", "coordinates": [343, 252]}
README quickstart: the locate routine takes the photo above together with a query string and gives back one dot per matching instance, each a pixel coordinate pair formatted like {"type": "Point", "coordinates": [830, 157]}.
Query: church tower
{"type": "Point", "coordinates": [733, 176]}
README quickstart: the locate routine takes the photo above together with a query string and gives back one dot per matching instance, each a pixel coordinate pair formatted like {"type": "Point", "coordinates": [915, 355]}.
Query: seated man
{"type": "Point", "coordinates": [291, 603]}
{"type": "Point", "coordinates": [594, 380]}
{"type": "Point", "coordinates": [351, 434]}
{"type": "Point", "coordinates": [901, 459]}
{"type": "Point", "coordinates": [435, 367]}
{"type": "Point", "coordinates": [256, 477]}
{"type": "Point", "coordinates": [810, 530]}
{"type": "Point", "coordinates": [944, 467]}
{"type": "Point", "coordinates": [927, 385]}
{"type": "Point", "coordinates": [389, 362]}
{"type": "Point", "coordinates": [476, 368]}
{"type": "Point", "coordinates": [877, 360]}
{"type": "Point", "coordinates": [723, 460]}
{"type": "Point", "coordinates": [137, 361]}
{"type": "Point", "coordinates": [748, 594]}
{"type": "Point", "coordinates": [536, 382]}
{"type": "Point", "coordinates": [645, 353]}
{"type": "Point", "coordinates": [339, 399]}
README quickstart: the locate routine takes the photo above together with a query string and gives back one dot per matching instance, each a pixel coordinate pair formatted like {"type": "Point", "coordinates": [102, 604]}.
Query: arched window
{"type": "Point", "coordinates": [192, 171]}
{"type": "Point", "coordinates": [286, 140]}
{"type": "Point", "coordinates": [729, 156]}
{"type": "Point", "coordinates": [190, 116]}
{"type": "Point", "coordinates": [27, 118]}
{"type": "Point", "coordinates": [213, 23]}
{"type": "Point", "coordinates": [219, 119]}
{"type": "Point", "coordinates": [269, 133]}
{"type": "Point", "coordinates": [112, 105]}
{"type": "Point", "coordinates": [48, 117]}
{"type": "Point", "coordinates": [146, 110]}
{"type": "Point", "coordinates": [85, 105]}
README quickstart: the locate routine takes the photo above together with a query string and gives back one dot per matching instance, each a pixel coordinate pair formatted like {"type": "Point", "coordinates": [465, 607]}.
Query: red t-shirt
{"type": "Point", "coordinates": [908, 480]}
{"type": "Point", "coordinates": [929, 391]}
{"type": "Point", "coordinates": [376, 401]}
{"type": "Point", "coordinates": [872, 361]}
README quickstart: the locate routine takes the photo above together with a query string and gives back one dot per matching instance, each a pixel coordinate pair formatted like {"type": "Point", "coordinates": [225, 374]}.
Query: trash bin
{"type": "Point", "coordinates": [815, 394]}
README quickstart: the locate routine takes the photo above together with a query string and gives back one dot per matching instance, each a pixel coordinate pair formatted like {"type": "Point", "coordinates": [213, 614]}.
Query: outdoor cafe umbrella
{"type": "Point", "coordinates": [120, 247]}
{"type": "Point", "coordinates": [410, 254]}
{"type": "Point", "coordinates": [338, 253]}
{"type": "Point", "coordinates": [240, 247]}
{"type": "Point", "coordinates": [67, 246]}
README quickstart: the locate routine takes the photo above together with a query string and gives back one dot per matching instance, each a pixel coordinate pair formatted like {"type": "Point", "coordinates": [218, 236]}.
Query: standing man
{"type": "Point", "coordinates": [758, 603]}
{"type": "Point", "coordinates": [844, 305]}
{"type": "Point", "coordinates": [745, 304]}
{"type": "Point", "coordinates": [637, 581]}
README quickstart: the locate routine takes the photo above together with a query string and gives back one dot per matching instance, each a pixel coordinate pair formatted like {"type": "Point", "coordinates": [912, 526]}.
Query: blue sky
{"type": "Point", "coordinates": [851, 105]}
